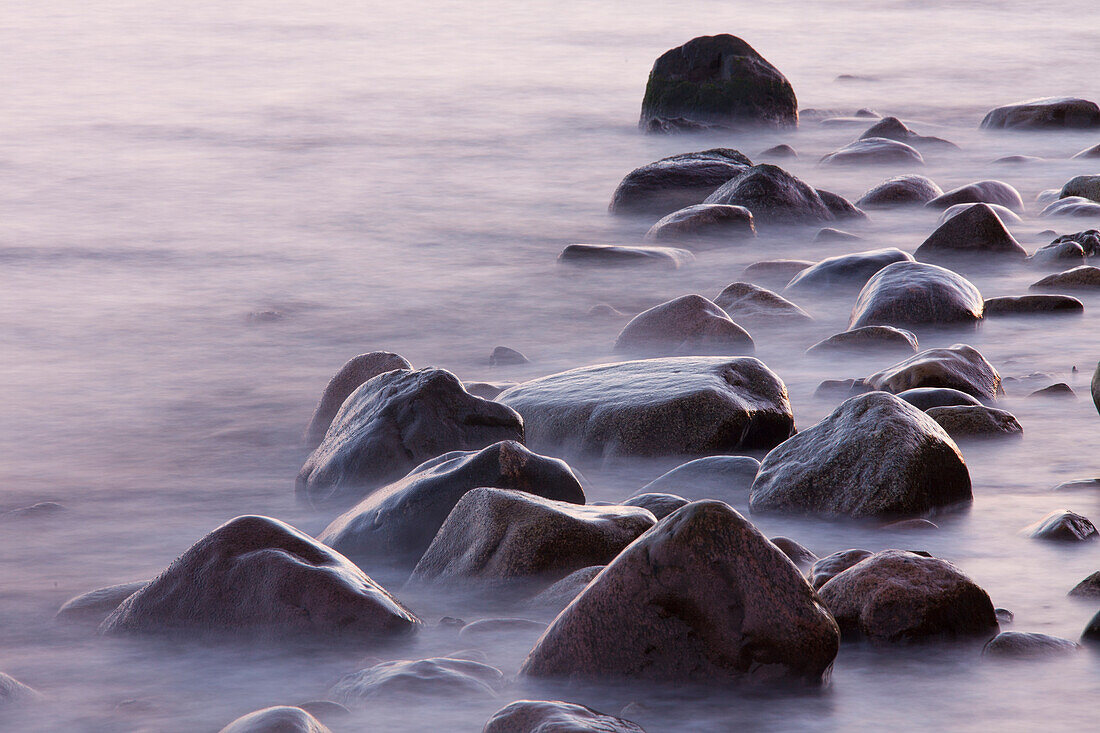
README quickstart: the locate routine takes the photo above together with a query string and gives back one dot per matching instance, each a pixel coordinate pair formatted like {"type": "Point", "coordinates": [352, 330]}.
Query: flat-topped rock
{"type": "Point", "coordinates": [850, 271]}
{"type": "Point", "coordinates": [1047, 113]}
{"type": "Point", "coordinates": [907, 190]}
{"type": "Point", "coordinates": [874, 151]}
{"type": "Point", "coordinates": [356, 371]}
{"type": "Point", "coordinates": [748, 303]}
{"type": "Point", "coordinates": [1085, 277]}
{"type": "Point", "coordinates": [981, 192]}
{"type": "Point", "coordinates": [925, 398]}
{"type": "Point", "coordinates": [958, 367]}
{"type": "Point", "coordinates": [672, 183]}
{"type": "Point", "coordinates": [683, 326]}
{"type": "Point", "coordinates": [624, 255]}
{"type": "Point", "coordinates": [1022, 645]}
{"type": "Point", "coordinates": [774, 196]}
{"type": "Point", "coordinates": [917, 294]}
{"type": "Point", "coordinates": [711, 223]}
{"type": "Point", "coordinates": [973, 230]}
{"type": "Point", "coordinates": [1023, 305]}
{"type": "Point", "coordinates": [867, 339]}
{"type": "Point", "coordinates": [554, 716]}
{"type": "Point", "coordinates": [975, 421]}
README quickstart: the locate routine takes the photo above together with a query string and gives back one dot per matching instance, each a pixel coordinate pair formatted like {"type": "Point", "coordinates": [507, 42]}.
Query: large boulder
{"type": "Point", "coordinates": [1093, 152]}
{"type": "Point", "coordinates": [981, 192]}
{"type": "Point", "coordinates": [98, 604]}
{"type": "Point", "coordinates": [907, 190]}
{"type": "Point", "coordinates": [975, 230]}
{"type": "Point", "coordinates": [959, 367]}
{"type": "Point", "coordinates": [874, 456]}
{"type": "Point", "coordinates": [1048, 113]}
{"type": "Point", "coordinates": [917, 294]}
{"type": "Point", "coordinates": [702, 597]}
{"type": "Point", "coordinates": [278, 719]}
{"type": "Point", "coordinates": [257, 576]}
{"type": "Point", "coordinates": [773, 196]}
{"type": "Point", "coordinates": [847, 271]}
{"type": "Point", "coordinates": [874, 151]}
{"type": "Point", "coordinates": [1084, 186]}
{"type": "Point", "coordinates": [394, 422]}
{"type": "Point", "coordinates": [897, 596]}
{"type": "Point", "coordinates": [1085, 277]}
{"type": "Point", "coordinates": [495, 538]}
{"type": "Point", "coordinates": [656, 407]}
{"type": "Point", "coordinates": [672, 183]}
{"type": "Point", "coordinates": [618, 255]}
{"type": "Point", "coordinates": [553, 716]}
{"type": "Point", "coordinates": [876, 339]}
{"type": "Point", "coordinates": [397, 523]}
{"type": "Point", "coordinates": [718, 80]}
{"type": "Point", "coordinates": [438, 677]}
{"type": "Point", "coordinates": [704, 223]}
{"type": "Point", "coordinates": [975, 421]}
{"type": "Point", "coordinates": [683, 326]}
{"type": "Point", "coordinates": [756, 305]}
{"type": "Point", "coordinates": [356, 371]}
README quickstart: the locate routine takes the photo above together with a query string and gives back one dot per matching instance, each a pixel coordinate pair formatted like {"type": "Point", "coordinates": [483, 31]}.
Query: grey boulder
{"type": "Point", "coordinates": [1026, 305]}
{"type": "Point", "coordinates": [1048, 113]}
{"type": "Point", "coordinates": [435, 678]}
{"type": "Point", "coordinates": [684, 326]}
{"type": "Point", "coordinates": [553, 716]}
{"type": "Point", "coordinates": [907, 190]}
{"type": "Point", "coordinates": [958, 367]}
{"type": "Point", "coordinates": [974, 230]}
{"type": "Point", "coordinates": [98, 604]}
{"type": "Point", "coordinates": [617, 255]}
{"type": "Point", "coordinates": [850, 271]}
{"type": "Point", "coordinates": [874, 151]}
{"type": "Point", "coordinates": [1062, 526]}
{"type": "Point", "coordinates": [278, 719]}
{"type": "Point", "coordinates": [980, 192]}
{"type": "Point", "coordinates": [753, 304]}
{"type": "Point", "coordinates": [356, 371]}
{"type": "Point", "coordinates": [704, 222]}
{"type": "Point", "coordinates": [1022, 645]}
{"type": "Point", "coordinates": [975, 421]}
{"type": "Point", "coordinates": [867, 339]}
{"type": "Point", "coordinates": [774, 196]}
{"type": "Point", "coordinates": [726, 478]}
{"type": "Point", "coordinates": [1085, 277]}
{"type": "Point", "coordinates": [925, 398]}
{"type": "Point", "coordinates": [917, 294]}
{"type": "Point", "coordinates": [672, 183]}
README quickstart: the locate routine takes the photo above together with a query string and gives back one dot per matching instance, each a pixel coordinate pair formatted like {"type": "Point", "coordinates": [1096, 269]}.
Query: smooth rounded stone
{"type": "Point", "coordinates": [619, 255]}
{"type": "Point", "coordinates": [828, 234]}
{"type": "Point", "coordinates": [562, 593]}
{"type": "Point", "coordinates": [917, 294]}
{"type": "Point", "coordinates": [867, 339]}
{"type": "Point", "coordinates": [874, 151]}
{"type": "Point", "coordinates": [778, 271]}
{"type": "Point", "coordinates": [1022, 645]}
{"type": "Point", "coordinates": [778, 152]}
{"type": "Point", "coordinates": [684, 326]}
{"type": "Point", "coordinates": [278, 719]}
{"type": "Point", "coordinates": [702, 597]}
{"type": "Point", "coordinates": [907, 190]}
{"type": "Point", "coordinates": [911, 525]}
{"type": "Point", "coordinates": [1087, 588]}
{"type": "Point", "coordinates": [892, 128]}
{"type": "Point", "coordinates": [958, 367]}
{"type": "Point", "coordinates": [848, 271]}
{"type": "Point", "coordinates": [1085, 277]}
{"type": "Point", "coordinates": [925, 398]}
{"type": "Point", "coordinates": [774, 196]}
{"type": "Point", "coordinates": [975, 421]}
{"type": "Point", "coordinates": [706, 222]}
{"type": "Point", "coordinates": [502, 355]}
{"type": "Point", "coordinates": [1072, 206]}
{"type": "Point", "coordinates": [680, 406]}
{"type": "Point", "coordinates": [1058, 253]}
{"type": "Point", "coordinates": [753, 304]}
{"type": "Point", "coordinates": [394, 422]}
{"type": "Point", "coordinates": [1025, 305]}
{"type": "Point", "coordinates": [973, 230]}
{"type": "Point", "coordinates": [670, 184]}
{"type": "Point", "coordinates": [14, 692]}
{"type": "Point", "coordinates": [438, 677]}
{"type": "Point", "coordinates": [1093, 152]}
{"type": "Point", "coordinates": [897, 596]}
{"type": "Point", "coordinates": [487, 390]}
{"type": "Point", "coordinates": [98, 604]}
{"type": "Point", "coordinates": [1006, 215]}
{"type": "Point", "coordinates": [874, 456]}
{"type": "Point", "coordinates": [661, 505]}
{"type": "Point", "coordinates": [727, 478]}
{"type": "Point", "coordinates": [718, 80]}
{"type": "Point", "coordinates": [828, 567]}
{"type": "Point", "coordinates": [1044, 114]}
{"type": "Point", "coordinates": [258, 576]}
{"type": "Point", "coordinates": [494, 537]}
{"type": "Point", "coordinates": [356, 371]}
{"type": "Point", "coordinates": [1078, 484]}
{"type": "Point", "coordinates": [1061, 390]}
{"type": "Point", "coordinates": [554, 716]}
{"type": "Point", "coordinates": [981, 192]}
{"type": "Point", "coordinates": [798, 554]}
{"type": "Point", "coordinates": [1092, 631]}
{"type": "Point", "coordinates": [1062, 526]}
{"type": "Point", "coordinates": [398, 522]}
{"type": "Point", "coordinates": [840, 207]}
{"type": "Point", "coordinates": [497, 626]}
{"type": "Point", "coordinates": [1084, 186]}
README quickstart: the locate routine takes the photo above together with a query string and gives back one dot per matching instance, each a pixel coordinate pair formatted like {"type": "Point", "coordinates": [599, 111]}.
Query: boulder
{"type": "Point", "coordinates": [495, 537]}
{"type": "Point", "coordinates": [981, 192]}
{"type": "Point", "coordinates": [1058, 253]}
{"type": "Point", "coordinates": [1006, 215]}
{"type": "Point", "coordinates": [874, 456]}
{"type": "Point", "coordinates": [347, 380]}
{"type": "Point", "coordinates": [503, 356]}
{"type": "Point", "coordinates": [1048, 113]}
{"type": "Point", "coordinates": [925, 398]}
{"type": "Point", "coordinates": [394, 422]}
{"type": "Point", "coordinates": [867, 339]}
{"type": "Point", "coordinates": [553, 716]}
{"type": "Point", "coordinates": [959, 367]}
{"type": "Point", "coordinates": [656, 407]}
{"type": "Point", "coordinates": [619, 255]}
{"type": "Point", "coordinates": [398, 522]}
{"type": "Point", "coordinates": [1088, 240]}
{"type": "Point", "coordinates": [897, 596]}
{"type": "Point", "coordinates": [781, 151]}
{"type": "Point", "coordinates": [777, 271]}
{"type": "Point", "coordinates": [683, 326]}
{"type": "Point", "coordinates": [910, 525]}
{"type": "Point", "coordinates": [1062, 526]}
{"type": "Point", "coordinates": [874, 151]}
{"type": "Point", "coordinates": [495, 627]}
{"type": "Point", "coordinates": [718, 80]}
{"type": "Point", "coordinates": [828, 567]}
{"type": "Point", "coordinates": [704, 222]}
{"type": "Point", "coordinates": [278, 719]}
{"type": "Point", "coordinates": [1072, 206]}
{"type": "Point", "coordinates": [726, 478]}
{"type": "Point", "coordinates": [1087, 588]}
{"type": "Point", "coordinates": [753, 304]}
{"type": "Point", "coordinates": [257, 576]}
{"type": "Point", "coordinates": [487, 390]}
{"type": "Point", "coordinates": [773, 196]}
{"type": "Point", "coordinates": [798, 554]}
{"type": "Point", "coordinates": [1093, 152]}
{"type": "Point", "coordinates": [670, 184]}
{"type": "Point", "coordinates": [1021, 645]}
{"type": "Point", "coordinates": [975, 421]}
{"type": "Point", "coordinates": [701, 597]}
{"type": "Point", "coordinates": [892, 128]}
{"type": "Point", "coordinates": [975, 230]}
{"type": "Point", "coordinates": [436, 678]}
{"type": "Point", "coordinates": [1017, 159]}
{"type": "Point", "coordinates": [840, 207]}
{"type": "Point", "coordinates": [98, 604]}
{"type": "Point", "coordinates": [1085, 277]}
{"type": "Point", "coordinates": [1095, 387]}
{"type": "Point", "coordinates": [1061, 390]}
{"type": "Point", "coordinates": [1087, 187]}
{"type": "Point", "coordinates": [1026, 305]}
{"type": "Point", "coordinates": [907, 190]}
{"type": "Point", "coordinates": [917, 294]}
{"type": "Point", "coordinates": [661, 505]}
{"type": "Point", "coordinates": [561, 594]}
{"type": "Point", "coordinates": [850, 271]}
{"type": "Point", "coordinates": [1092, 631]}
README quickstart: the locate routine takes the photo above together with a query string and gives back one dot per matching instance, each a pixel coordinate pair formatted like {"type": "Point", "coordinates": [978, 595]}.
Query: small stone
{"type": "Point", "coordinates": [688, 325]}
{"type": "Point", "coordinates": [1061, 390]}
{"type": "Point", "coordinates": [502, 355]}
{"type": "Point", "coordinates": [554, 716]}
{"type": "Point", "coordinates": [973, 421]}
{"type": "Point", "coordinates": [1062, 526]}
{"type": "Point", "coordinates": [430, 678]}
{"type": "Point", "coordinates": [779, 151]}
{"type": "Point", "coordinates": [1027, 305]}
{"type": "Point", "coordinates": [619, 255]}
{"type": "Point", "coordinates": [1087, 588]}
{"type": "Point", "coordinates": [1021, 645]}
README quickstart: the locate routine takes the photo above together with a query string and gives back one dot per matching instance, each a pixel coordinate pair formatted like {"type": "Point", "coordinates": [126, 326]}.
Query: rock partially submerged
{"type": "Point", "coordinates": [774, 196]}
{"type": "Point", "coordinates": [959, 367]}
{"type": "Point", "coordinates": [1087, 588]}
{"type": "Point", "coordinates": [777, 271]}
{"type": "Point", "coordinates": [431, 678]}
{"type": "Point", "coordinates": [828, 567]}
{"type": "Point", "coordinates": [1072, 206]}
{"type": "Point", "coordinates": [561, 594]}
{"type": "Point", "coordinates": [907, 190]}
{"type": "Point", "coordinates": [1062, 526]}
{"type": "Point", "coordinates": [974, 230]}
{"type": "Point", "coordinates": [684, 326]}
{"type": "Point", "coordinates": [1048, 113]}
{"type": "Point", "coordinates": [892, 128]}
{"type": "Point", "coordinates": [661, 505]}
{"type": "Point", "coordinates": [356, 371]}
{"type": "Point", "coordinates": [278, 719]}
{"type": "Point", "coordinates": [672, 183]}
{"type": "Point", "coordinates": [874, 151]}
{"type": "Point", "coordinates": [727, 478]}
{"type": "Point", "coordinates": [846, 271]}
{"type": "Point", "coordinates": [753, 304]}
{"type": "Point", "coordinates": [925, 398]}
{"type": "Point", "coordinates": [1025, 305]}
{"type": "Point", "coordinates": [98, 604]}
{"type": "Point", "coordinates": [868, 339]}
{"type": "Point", "coordinates": [1006, 215]}
{"type": "Point", "coordinates": [1087, 187]}
{"type": "Point", "coordinates": [1021, 645]}
{"type": "Point", "coordinates": [14, 692]}
{"type": "Point", "coordinates": [706, 222]}
{"type": "Point", "coordinates": [553, 716]}
{"type": "Point", "coordinates": [981, 192]}
{"type": "Point", "coordinates": [917, 294]}
{"type": "Point", "coordinates": [622, 255]}
{"type": "Point", "coordinates": [1085, 277]}
{"type": "Point", "coordinates": [975, 421]}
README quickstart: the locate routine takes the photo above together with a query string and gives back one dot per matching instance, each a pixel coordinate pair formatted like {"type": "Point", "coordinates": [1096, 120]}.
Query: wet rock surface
{"type": "Point", "coordinates": [1023, 645]}
{"type": "Point", "coordinates": [1085, 277]}
{"type": "Point", "coordinates": [553, 716]}
{"type": "Point", "coordinates": [752, 304]}
{"type": "Point", "coordinates": [925, 398]}
{"type": "Point", "coordinates": [917, 294]}
{"type": "Point", "coordinates": [974, 230]}
{"type": "Point", "coordinates": [774, 196]}
{"type": "Point", "coordinates": [726, 478]}
{"type": "Point", "coordinates": [96, 605]}
{"type": "Point", "coordinates": [846, 271]}
{"type": "Point", "coordinates": [623, 255]}
{"type": "Point", "coordinates": [825, 569]}
{"type": "Point", "coordinates": [981, 192]}
{"type": "Point", "coordinates": [673, 183]}
{"type": "Point", "coordinates": [1020, 305]}
{"type": "Point", "coordinates": [706, 222]}
{"type": "Point", "coordinates": [560, 594]}
{"type": "Point", "coordinates": [874, 151]}
{"type": "Point", "coordinates": [958, 367]}
{"type": "Point", "coordinates": [684, 326]}
{"type": "Point", "coordinates": [279, 719]}
{"type": "Point", "coordinates": [975, 421]}
{"type": "Point", "coordinates": [868, 339]}
{"type": "Point", "coordinates": [1048, 113]}
{"type": "Point", "coordinates": [1087, 588]}
{"type": "Point", "coordinates": [430, 678]}
{"type": "Point", "coordinates": [1062, 526]}
{"type": "Point", "coordinates": [661, 505]}
{"type": "Point", "coordinates": [907, 190]}
{"type": "Point", "coordinates": [347, 380]}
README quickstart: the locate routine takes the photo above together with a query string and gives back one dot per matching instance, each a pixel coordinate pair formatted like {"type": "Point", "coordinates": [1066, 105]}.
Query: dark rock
{"type": "Point", "coordinates": [981, 192]}
{"type": "Point", "coordinates": [874, 456]}
{"type": "Point", "coordinates": [1006, 215]}
{"type": "Point", "coordinates": [495, 537]}
{"type": "Point", "coordinates": [840, 207]}
{"type": "Point", "coordinates": [828, 567]}
{"type": "Point", "coordinates": [619, 255]}
{"type": "Point", "coordinates": [1095, 386]}
{"type": "Point", "coordinates": [1061, 390]}
{"type": "Point", "coordinates": [910, 525]}
{"type": "Point", "coordinates": [778, 271]}
{"type": "Point", "coordinates": [897, 596]}
{"type": "Point", "coordinates": [917, 294]}
{"type": "Point", "coordinates": [974, 230]}
{"type": "Point", "coordinates": [905, 190]}
{"type": "Point", "coordinates": [1021, 645]}
{"type": "Point", "coordinates": [502, 355]}
{"type": "Point", "coordinates": [975, 421]}
{"type": "Point", "coordinates": [750, 303]}
{"type": "Point", "coordinates": [828, 234]}
{"type": "Point", "coordinates": [1084, 186]}
{"type": "Point", "coordinates": [718, 80]}
{"type": "Point", "coordinates": [1088, 588]}
{"type": "Point", "coordinates": [867, 339]}
{"type": "Point", "coordinates": [892, 128]}
{"type": "Point", "coordinates": [1072, 206]}
{"type": "Point", "coordinates": [487, 390]}
{"type": "Point", "coordinates": [798, 554]}
{"type": "Point", "coordinates": [874, 151]}
{"type": "Point", "coordinates": [1023, 305]}
{"type": "Point", "coordinates": [672, 406]}
{"type": "Point", "coordinates": [1084, 277]}
{"type": "Point", "coordinates": [1004, 616]}
{"type": "Point", "coordinates": [562, 593]}
{"type": "Point", "coordinates": [278, 719]}
{"type": "Point", "coordinates": [431, 678]}
{"type": "Point", "coordinates": [258, 576]}
{"type": "Point", "coordinates": [1092, 631]}
{"type": "Point", "coordinates": [959, 367]}
{"type": "Point", "coordinates": [347, 380]}
{"type": "Point", "coordinates": [98, 604]}
{"type": "Point", "coordinates": [703, 596]}
{"type": "Point", "coordinates": [1058, 253]}
{"type": "Point", "coordinates": [684, 326]}
{"type": "Point", "coordinates": [496, 626]}
{"type": "Point", "coordinates": [925, 398]}
{"type": "Point", "coordinates": [394, 422]}
{"type": "Point", "coordinates": [677, 125]}
{"type": "Point", "coordinates": [781, 151]}
{"type": "Point", "coordinates": [847, 271]}
{"type": "Point", "coordinates": [1063, 526]}
{"type": "Point", "coordinates": [1045, 113]}
{"type": "Point", "coordinates": [1088, 240]}
{"type": "Point", "coordinates": [553, 716]}
{"type": "Point", "coordinates": [324, 710]}
{"type": "Point", "coordinates": [773, 196]}
{"type": "Point", "coordinates": [660, 504]}
{"type": "Point", "coordinates": [672, 183]}
{"type": "Point", "coordinates": [397, 523]}
{"type": "Point", "coordinates": [726, 478]}
{"type": "Point", "coordinates": [1093, 152]}
{"type": "Point", "coordinates": [704, 222]}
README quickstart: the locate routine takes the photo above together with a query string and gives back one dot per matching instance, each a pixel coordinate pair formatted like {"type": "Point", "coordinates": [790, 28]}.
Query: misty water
{"type": "Point", "coordinates": [403, 177]}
